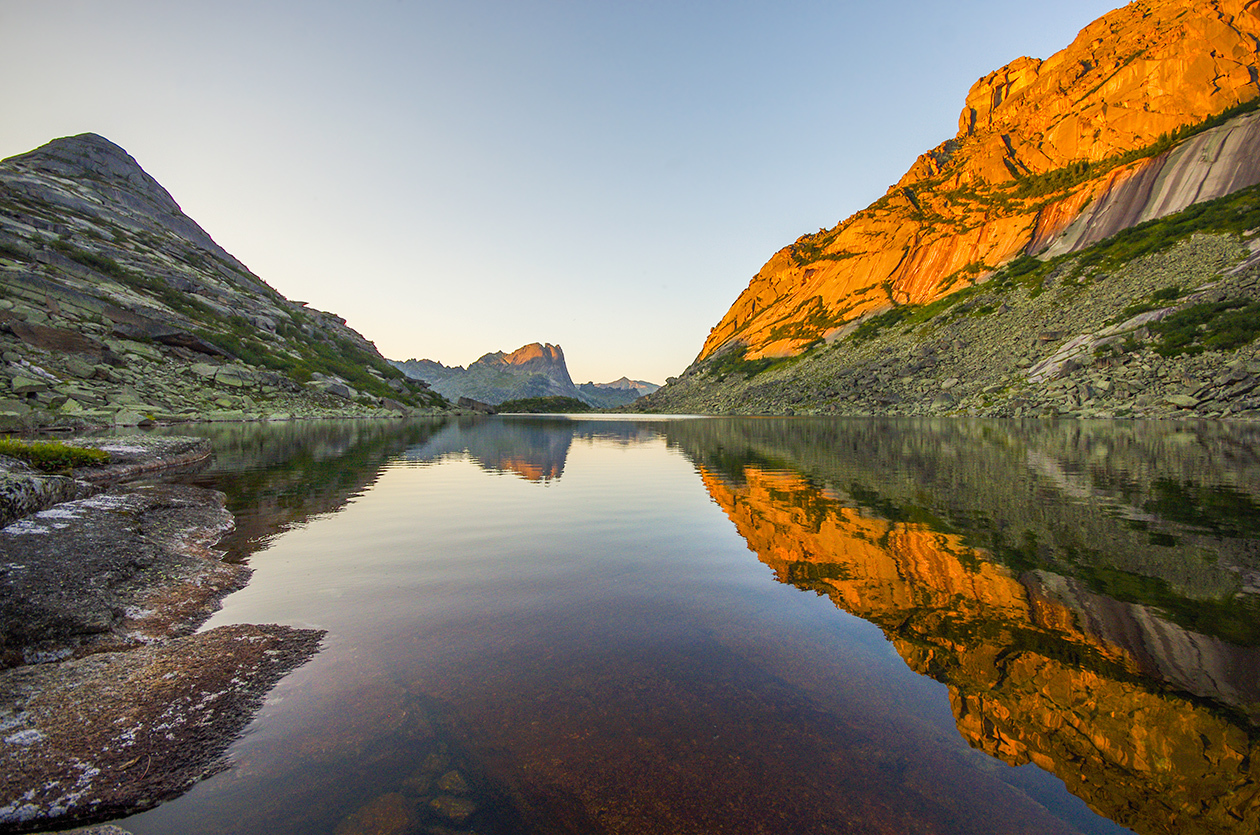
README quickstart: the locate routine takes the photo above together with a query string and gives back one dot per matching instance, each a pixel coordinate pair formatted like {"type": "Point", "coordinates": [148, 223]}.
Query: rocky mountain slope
{"type": "Point", "coordinates": [533, 370]}
{"type": "Point", "coordinates": [620, 392]}
{"type": "Point", "coordinates": [1144, 116]}
{"type": "Point", "coordinates": [117, 308]}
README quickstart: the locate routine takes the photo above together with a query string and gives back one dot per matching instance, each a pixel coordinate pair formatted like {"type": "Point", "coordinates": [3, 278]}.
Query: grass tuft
{"type": "Point", "coordinates": [52, 456]}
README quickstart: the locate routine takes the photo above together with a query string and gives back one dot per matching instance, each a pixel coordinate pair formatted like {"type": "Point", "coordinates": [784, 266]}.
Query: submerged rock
{"type": "Point", "coordinates": [119, 732]}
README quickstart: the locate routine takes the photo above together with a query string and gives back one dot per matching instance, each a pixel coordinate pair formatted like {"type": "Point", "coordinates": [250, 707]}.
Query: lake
{"type": "Point", "coordinates": [745, 625]}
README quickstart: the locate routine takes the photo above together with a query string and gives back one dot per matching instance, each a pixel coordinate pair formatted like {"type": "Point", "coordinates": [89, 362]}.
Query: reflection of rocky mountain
{"type": "Point", "coordinates": [1164, 514]}
{"type": "Point", "coordinates": [1154, 724]}
{"type": "Point", "coordinates": [534, 450]}
{"type": "Point", "coordinates": [279, 474]}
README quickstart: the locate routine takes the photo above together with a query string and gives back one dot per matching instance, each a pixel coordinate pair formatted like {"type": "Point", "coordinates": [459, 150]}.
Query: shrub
{"type": "Point", "coordinates": [1221, 326]}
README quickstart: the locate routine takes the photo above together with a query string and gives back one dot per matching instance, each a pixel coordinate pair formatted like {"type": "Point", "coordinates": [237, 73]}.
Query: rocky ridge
{"type": "Point", "coordinates": [1143, 116]}
{"type": "Point", "coordinates": [620, 392]}
{"type": "Point", "coordinates": [533, 370]}
{"type": "Point", "coordinates": [117, 308]}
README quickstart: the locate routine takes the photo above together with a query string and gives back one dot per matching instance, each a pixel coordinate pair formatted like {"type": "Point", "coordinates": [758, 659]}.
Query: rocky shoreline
{"type": "Point", "coordinates": [108, 703]}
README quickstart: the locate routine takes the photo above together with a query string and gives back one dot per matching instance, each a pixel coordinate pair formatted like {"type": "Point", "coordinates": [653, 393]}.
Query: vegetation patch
{"type": "Point", "coordinates": [810, 248]}
{"type": "Point", "coordinates": [544, 405]}
{"type": "Point", "coordinates": [1221, 326]}
{"type": "Point", "coordinates": [733, 361]}
{"type": "Point", "coordinates": [1235, 620]}
{"type": "Point", "coordinates": [52, 456]}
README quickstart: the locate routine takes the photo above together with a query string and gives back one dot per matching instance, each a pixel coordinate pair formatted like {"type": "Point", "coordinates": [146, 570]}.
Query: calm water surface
{"type": "Point", "coordinates": [745, 626]}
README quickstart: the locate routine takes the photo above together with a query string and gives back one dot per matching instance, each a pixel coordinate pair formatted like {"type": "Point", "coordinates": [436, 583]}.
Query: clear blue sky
{"type": "Point", "coordinates": [462, 176]}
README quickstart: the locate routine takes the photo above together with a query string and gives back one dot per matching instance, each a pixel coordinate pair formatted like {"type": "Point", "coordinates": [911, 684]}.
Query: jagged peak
{"type": "Point", "coordinates": [535, 351]}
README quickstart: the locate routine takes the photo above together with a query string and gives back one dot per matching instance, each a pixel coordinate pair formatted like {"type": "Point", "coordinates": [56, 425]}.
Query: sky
{"type": "Point", "coordinates": [456, 177]}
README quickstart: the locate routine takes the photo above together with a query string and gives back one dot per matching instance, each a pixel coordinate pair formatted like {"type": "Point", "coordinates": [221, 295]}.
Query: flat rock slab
{"type": "Point", "coordinates": [135, 455]}
{"type": "Point", "coordinates": [24, 491]}
{"type": "Point", "coordinates": [121, 568]}
{"type": "Point", "coordinates": [119, 732]}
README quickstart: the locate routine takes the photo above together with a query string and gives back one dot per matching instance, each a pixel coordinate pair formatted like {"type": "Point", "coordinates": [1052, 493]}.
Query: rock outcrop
{"type": "Point", "coordinates": [117, 308]}
{"type": "Point", "coordinates": [533, 370]}
{"type": "Point", "coordinates": [1050, 157]}
{"type": "Point", "coordinates": [108, 704]}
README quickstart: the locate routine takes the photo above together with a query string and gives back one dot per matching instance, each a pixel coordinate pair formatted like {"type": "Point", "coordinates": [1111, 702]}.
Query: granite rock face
{"type": "Point", "coordinates": [142, 566]}
{"type": "Point", "coordinates": [116, 308]}
{"type": "Point", "coordinates": [1051, 155]}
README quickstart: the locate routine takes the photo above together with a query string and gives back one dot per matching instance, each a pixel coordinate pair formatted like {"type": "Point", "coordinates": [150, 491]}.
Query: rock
{"type": "Point", "coordinates": [27, 385]}
{"type": "Point", "coordinates": [454, 782]}
{"type": "Point", "coordinates": [455, 810]}
{"type": "Point", "coordinates": [389, 814]}
{"type": "Point", "coordinates": [236, 376]}
{"type": "Point", "coordinates": [129, 418]}
{"type": "Point", "coordinates": [25, 493]}
{"type": "Point", "coordinates": [53, 339]}
{"type": "Point", "coordinates": [151, 721]}
{"type": "Point", "coordinates": [155, 334]}
{"type": "Point", "coordinates": [1181, 401]}
{"type": "Point", "coordinates": [1090, 101]}
{"type": "Point", "coordinates": [78, 367]}
{"type": "Point", "coordinates": [49, 608]}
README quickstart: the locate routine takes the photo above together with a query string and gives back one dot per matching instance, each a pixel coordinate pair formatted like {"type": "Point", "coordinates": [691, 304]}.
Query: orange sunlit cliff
{"type": "Point", "coordinates": [1043, 147]}
{"type": "Point", "coordinates": [1029, 679]}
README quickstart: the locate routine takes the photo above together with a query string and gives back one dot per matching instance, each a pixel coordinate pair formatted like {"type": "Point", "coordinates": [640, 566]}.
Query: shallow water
{"type": "Point", "coordinates": [745, 625]}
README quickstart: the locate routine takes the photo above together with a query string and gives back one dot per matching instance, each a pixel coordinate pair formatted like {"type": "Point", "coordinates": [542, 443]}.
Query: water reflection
{"type": "Point", "coordinates": [280, 475]}
{"type": "Point", "coordinates": [604, 655]}
{"type": "Point", "coordinates": [1087, 592]}
{"type": "Point", "coordinates": [534, 448]}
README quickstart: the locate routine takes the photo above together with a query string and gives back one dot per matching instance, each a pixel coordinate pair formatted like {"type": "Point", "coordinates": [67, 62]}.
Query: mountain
{"type": "Point", "coordinates": [533, 370]}
{"type": "Point", "coordinates": [1147, 115]}
{"type": "Point", "coordinates": [620, 392]}
{"type": "Point", "coordinates": [117, 308]}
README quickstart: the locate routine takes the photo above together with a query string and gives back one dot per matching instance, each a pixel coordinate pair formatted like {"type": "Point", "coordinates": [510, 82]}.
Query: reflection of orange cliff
{"type": "Point", "coordinates": [1029, 679]}
{"type": "Point", "coordinates": [530, 470]}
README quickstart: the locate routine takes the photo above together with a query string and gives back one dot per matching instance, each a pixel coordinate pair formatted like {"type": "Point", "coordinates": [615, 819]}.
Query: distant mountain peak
{"type": "Point", "coordinates": [536, 351]}
{"type": "Point", "coordinates": [534, 370]}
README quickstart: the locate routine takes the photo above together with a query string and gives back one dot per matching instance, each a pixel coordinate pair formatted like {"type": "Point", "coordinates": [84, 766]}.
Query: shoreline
{"type": "Point", "coordinates": [109, 703]}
